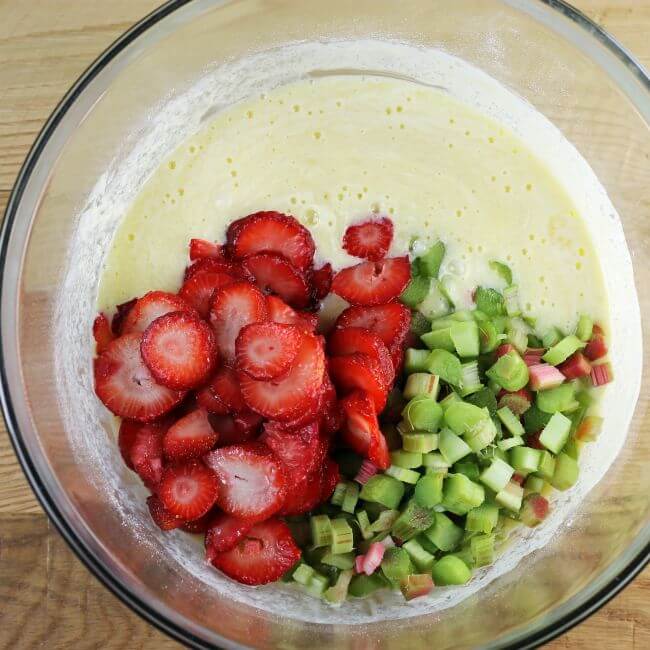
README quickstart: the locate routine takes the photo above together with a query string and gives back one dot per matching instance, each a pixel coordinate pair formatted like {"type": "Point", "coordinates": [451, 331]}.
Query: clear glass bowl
{"type": "Point", "coordinates": [545, 52]}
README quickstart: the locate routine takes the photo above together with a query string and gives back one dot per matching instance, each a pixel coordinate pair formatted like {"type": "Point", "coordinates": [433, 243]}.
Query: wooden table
{"type": "Point", "coordinates": [47, 598]}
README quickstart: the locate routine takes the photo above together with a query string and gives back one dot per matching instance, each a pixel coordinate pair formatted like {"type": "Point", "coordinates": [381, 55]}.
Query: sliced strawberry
{"type": "Point", "coordinates": [225, 385]}
{"type": "Point", "coordinates": [321, 280]}
{"type": "Point", "coordinates": [202, 525]}
{"type": "Point", "coordinates": [188, 490]}
{"type": "Point", "coordinates": [202, 248]}
{"type": "Point", "coordinates": [265, 553]}
{"type": "Point", "coordinates": [597, 346]}
{"type": "Point", "coordinates": [301, 451]}
{"type": "Point", "coordinates": [146, 454]}
{"type": "Point", "coordinates": [280, 312]}
{"type": "Point", "coordinates": [212, 265]}
{"type": "Point", "coordinates": [275, 274]}
{"type": "Point", "coordinates": [236, 429]}
{"type": "Point", "coordinates": [120, 314]}
{"type": "Point", "coordinates": [190, 437]}
{"type": "Point", "coordinates": [330, 478]}
{"type": "Point", "coordinates": [361, 430]}
{"type": "Point", "coordinates": [207, 399]}
{"type": "Point", "coordinates": [180, 350]}
{"type": "Point", "coordinates": [348, 340]}
{"type": "Point", "coordinates": [252, 482]}
{"type": "Point", "coordinates": [576, 366]}
{"type": "Point", "coordinates": [370, 239]}
{"type": "Point", "coordinates": [164, 519]}
{"type": "Point", "coordinates": [373, 283]}
{"type": "Point", "coordinates": [289, 395]}
{"type": "Point", "coordinates": [266, 350]}
{"type": "Point", "coordinates": [304, 495]}
{"type": "Point", "coordinates": [390, 322]}
{"type": "Point", "coordinates": [199, 290]}
{"type": "Point", "coordinates": [271, 232]}
{"type": "Point", "coordinates": [151, 306]}
{"type": "Point", "coordinates": [224, 532]}
{"type": "Point", "coordinates": [359, 372]}
{"type": "Point", "coordinates": [234, 307]}
{"type": "Point", "coordinates": [102, 333]}
{"type": "Point", "coordinates": [126, 386]}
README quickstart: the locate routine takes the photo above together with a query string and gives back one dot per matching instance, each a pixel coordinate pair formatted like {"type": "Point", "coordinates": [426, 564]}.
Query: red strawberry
{"type": "Point", "coordinates": [263, 555]}
{"type": "Point", "coordinates": [180, 350]}
{"type": "Point", "coordinates": [275, 274]}
{"type": "Point", "coordinates": [125, 385]}
{"type": "Point", "coordinates": [200, 526]}
{"type": "Point", "coordinates": [151, 306]}
{"type": "Point", "coordinates": [145, 437]}
{"type": "Point", "coordinates": [199, 289]}
{"type": "Point", "coordinates": [190, 437]}
{"type": "Point", "coordinates": [266, 350]}
{"type": "Point", "coordinates": [390, 322]}
{"type": "Point", "coordinates": [188, 490]}
{"type": "Point", "coordinates": [252, 483]}
{"type": "Point", "coordinates": [361, 429]}
{"type": "Point", "coordinates": [359, 372]}
{"type": "Point", "coordinates": [201, 248]}
{"type": "Point", "coordinates": [532, 440]}
{"type": "Point", "coordinates": [576, 366]}
{"type": "Point", "coordinates": [164, 519]}
{"type": "Point", "coordinates": [321, 280]}
{"type": "Point", "coordinates": [233, 430]}
{"type": "Point", "coordinates": [331, 476]}
{"type": "Point", "coordinates": [207, 399]}
{"type": "Point", "coordinates": [120, 314]}
{"type": "Point", "coordinates": [102, 333]}
{"type": "Point", "coordinates": [212, 265]}
{"type": "Point", "coordinates": [304, 495]}
{"type": "Point", "coordinates": [597, 346]}
{"type": "Point", "coordinates": [223, 533]}
{"type": "Point", "coordinates": [301, 451]}
{"type": "Point", "coordinates": [271, 232]}
{"type": "Point", "coordinates": [280, 312]}
{"type": "Point", "coordinates": [146, 454]}
{"type": "Point", "coordinates": [234, 307]}
{"type": "Point", "coordinates": [330, 409]}
{"type": "Point", "coordinates": [348, 340]}
{"type": "Point", "coordinates": [370, 239]}
{"type": "Point", "coordinates": [373, 283]}
{"type": "Point", "coordinates": [225, 385]}
{"type": "Point", "coordinates": [286, 397]}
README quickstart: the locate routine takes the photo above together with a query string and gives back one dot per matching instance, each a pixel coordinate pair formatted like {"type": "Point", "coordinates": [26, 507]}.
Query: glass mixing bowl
{"type": "Point", "coordinates": [544, 51]}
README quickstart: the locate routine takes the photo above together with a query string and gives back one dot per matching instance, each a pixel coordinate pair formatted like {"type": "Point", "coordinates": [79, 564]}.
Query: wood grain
{"type": "Point", "coordinates": [47, 597]}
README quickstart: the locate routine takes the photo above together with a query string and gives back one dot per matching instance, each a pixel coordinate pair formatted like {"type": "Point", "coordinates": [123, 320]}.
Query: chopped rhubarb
{"type": "Point", "coordinates": [366, 470]}
{"type": "Point", "coordinates": [533, 356]}
{"type": "Point", "coordinates": [502, 350]}
{"type": "Point", "coordinates": [576, 366]}
{"type": "Point", "coordinates": [597, 347]}
{"type": "Point", "coordinates": [601, 374]}
{"type": "Point", "coordinates": [373, 558]}
{"type": "Point", "coordinates": [544, 376]}
{"type": "Point", "coordinates": [359, 563]}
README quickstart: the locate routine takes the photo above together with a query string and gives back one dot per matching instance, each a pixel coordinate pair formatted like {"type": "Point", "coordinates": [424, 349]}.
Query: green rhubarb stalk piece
{"type": "Point", "coordinates": [396, 564]}
{"type": "Point", "coordinates": [562, 350]}
{"type": "Point", "coordinates": [413, 520]}
{"type": "Point", "coordinates": [428, 489]}
{"type": "Point", "coordinates": [444, 533]}
{"type": "Point", "coordinates": [383, 489]}
{"type": "Point", "coordinates": [439, 339]}
{"type": "Point", "coordinates": [337, 594]}
{"type": "Point", "coordinates": [483, 519]}
{"type": "Point", "coordinates": [460, 494]}
{"type": "Point", "coordinates": [422, 559]}
{"type": "Point", "coordinates": [509, 371]}
{"type": "Point", "coordinates": [416, 585]}
{"type": "Point", "coordinates": [429, 263]}
{"type": "Point", "coordinates": [415, 361]}
{"type": "Point", "coordinates": [450, 570]}
{"type": "Point", "coordinates": [446, 366]}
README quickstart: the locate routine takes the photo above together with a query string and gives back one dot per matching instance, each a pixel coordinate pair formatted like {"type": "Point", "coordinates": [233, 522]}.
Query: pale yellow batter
{"type": "Point", "coordinates": [333, 150]}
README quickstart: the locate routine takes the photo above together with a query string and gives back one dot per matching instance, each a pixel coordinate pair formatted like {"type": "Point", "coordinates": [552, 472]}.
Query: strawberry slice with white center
{"type": "Point", "coordinates": [359, 372]}
{"type": "Point", "coordinates": [301, 451]}
{"type": "Point", "coordinates": [266, 350]}
{"type": "Point", "coordinates": [370, 239]}
{"type": "Point", "coordinates": [390, 322]}
{"type": "Point", "coordinates": [212, 265]}
{"type": "Point", "coordinates": [305, 494]}
{"type": "Point", "coordinates": [252, 482]}
{"type": "Point", "coordinates": [223, 533]}
{"type": "Point", "coordinates": [264, 554]}
{"type": "Point", "coordinates": [280, 312]}
{"type": "Point", "coordinates": [288, 396]}
{"type": "Point", "coordinates": [190, 437]}
{"type": "Point", "coordinates": [348, 340]}
{"type": "Point", "coordinates": [164, 519]}
{"type": "Point", "coordinates": [151, 306]}
{"type": "Point", "coordinates": [321, 280]}
{"type": "Point", "coordinates": [373, 283]}
{"type": "Point", "coordinates": [126, 386]}
{"type": "Point", "coordinates": [361, 429]}
{"type": "Point", "coordinates": [188, 490]}
{"type": "Point", "coordinates": [235, 429]}
{"type": "Point", "coordinates": [202, 248]}
{"type": "Point", "coordinates": [275, 274]}
{"type": "Point", "coordinates": [271, 232]}
{"type": "Point", "coordinates": [180, 350]}
{"type": "Point", "coordinates": [207, 399]}
{"type": "Point", "coordinates": [234, 307]}
{"type": "Point", "coordinates": [225, 385]}
{"type": "Point", "coordinates": [121, 312]}
{"type": "Point", "coordinates": [199, 290]}
{"type": "Point", "coordinates": [102, 333]}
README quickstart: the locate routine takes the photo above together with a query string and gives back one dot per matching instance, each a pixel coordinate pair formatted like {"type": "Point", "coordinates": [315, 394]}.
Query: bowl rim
{"type": "Point", "coordinates": [549, 631]}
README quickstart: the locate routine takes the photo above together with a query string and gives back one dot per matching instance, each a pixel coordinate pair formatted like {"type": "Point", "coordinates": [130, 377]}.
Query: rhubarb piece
{"type": "Point", "coordinates": [422, 414]}
{"type": "Point", "coordinates": [450, 570]}
{"type": "Point", "coordinates": [566, 472]}
{"type": "Point", "coordinates": [446, 366]}
{"type": "Point", "coordinates": [413, 520]}
{"type": "Point", "coordinates": [534, 510]}
{"type": "Point", "coordinates": [444, 533]}
{"type": "Point", "coordinates": [497, 475]}
{"type": "Point", "coordinates": [544, 376]}
{"type": "Point", "coordinates": [337, 594]}
{"type": "Point", "coordinates": [471, 380]}
{"type": "Point", "coordinates": [465, 337]}
{"type": "Point", "coordinates": [383, 489]}
{"type": "Point", "coordinates": [373, 557]}
{"type": "Point", "coordinates": [428, 489]}
{"type": "Point", "coordinates": [576, 366]}
{"type": "Point", "coordinates": [562, 350]}
{"type": "Point", "coordinates": [321, 530]}
{"type": "Point", "coordinates": [429, 263]}
{"type": "Point", "coordinates": [342, 537]}
{"type": "Point", "coordinates": [396, 564]}
{"type": "Point", "coordinates": [422, 559]}
{"type": "Point", "coordinates": [452, 447]}
{"type": "Point", "coordinates": [421, 443]}
{"type": "Point", "coordinates": [601, 374]}
{"type": "Point", "coordinates": [525, 460]}
{"type": "Point", "coordinates": [366, 471]}
{"type": "Point", "coordinates": [482, 550]}
{"type": "Point", "coordinates": [460, 494]}
{"type": "Point", "coordinates": [509, 371]}
{"type": "Point", "coordinates": [596, 348]}
{"type": "Point", "coordinates": [560, 398]}
{"type": "Point", "coordinates": [403, 475]}
{"type": "Point", "coordinates": [483, 519]}
{"type": "Point", "coordinates": [518, 402]}
{"type": "Point", "coordinates": [555, 433]}
{"type": "Point", "coordinates": [533, 356]}
{"type": "Point", "coordinates": [422, 383]}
